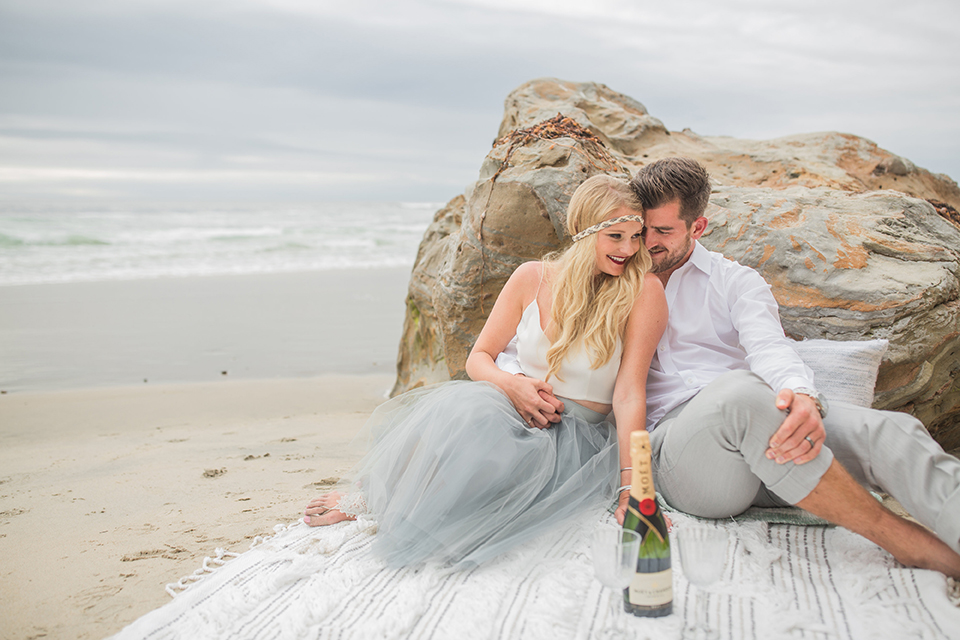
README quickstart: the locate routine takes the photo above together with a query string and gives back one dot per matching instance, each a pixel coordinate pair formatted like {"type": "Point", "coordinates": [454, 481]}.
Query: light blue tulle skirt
{"type": "Point", "coordinates": [454, 475]}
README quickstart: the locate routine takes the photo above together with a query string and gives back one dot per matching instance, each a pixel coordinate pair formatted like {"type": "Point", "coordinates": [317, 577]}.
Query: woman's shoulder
{"type": "Point", "coordinates": [651, 295]}
{"type": "Point", "coordinates": [651, 279]}
{"type": "Point", "coordinates": [528, 273]}
{"type": "Point", "coordinates": [652, 298]}
{"type": "Point", "coordinates": [523, 283]}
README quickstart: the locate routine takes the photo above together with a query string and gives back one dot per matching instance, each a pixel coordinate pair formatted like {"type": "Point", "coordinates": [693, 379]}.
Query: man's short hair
{"type": "Point", "coordinates": [674, 179]}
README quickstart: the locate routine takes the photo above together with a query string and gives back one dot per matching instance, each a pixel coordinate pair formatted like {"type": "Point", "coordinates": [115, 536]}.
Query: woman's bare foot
{"type": "Point", "coordinates": [322, 511]}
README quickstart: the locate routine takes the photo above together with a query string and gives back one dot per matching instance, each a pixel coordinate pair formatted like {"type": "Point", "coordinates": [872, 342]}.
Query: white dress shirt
{"type": "Point", "coordinates": [722, 317]}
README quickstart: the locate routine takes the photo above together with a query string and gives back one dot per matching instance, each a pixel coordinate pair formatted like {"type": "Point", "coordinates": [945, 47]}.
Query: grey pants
{"type": "Point", "coordinates": [709, 456]}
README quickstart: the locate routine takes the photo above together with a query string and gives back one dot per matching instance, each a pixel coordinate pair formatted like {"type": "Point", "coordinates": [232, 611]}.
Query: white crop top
{"type": "Point", "coordinates": [579, 381]}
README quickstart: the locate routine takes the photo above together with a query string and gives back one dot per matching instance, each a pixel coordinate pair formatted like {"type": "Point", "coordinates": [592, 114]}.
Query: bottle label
{"type": "Point", "coordinates": [643, 476]}
{"type": "Point", "coordinates": [645, 518]}
{"type": "Point", "coordinates": [652, 589]}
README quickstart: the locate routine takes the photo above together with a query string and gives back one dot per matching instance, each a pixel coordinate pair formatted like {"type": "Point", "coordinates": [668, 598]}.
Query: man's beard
{"type": "Point", "coordinates": [670, 259]}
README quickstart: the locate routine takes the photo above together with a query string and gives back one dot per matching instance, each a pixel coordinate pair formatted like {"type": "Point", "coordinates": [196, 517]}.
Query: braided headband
{"type": "Point", "coordinates": [600, 226]}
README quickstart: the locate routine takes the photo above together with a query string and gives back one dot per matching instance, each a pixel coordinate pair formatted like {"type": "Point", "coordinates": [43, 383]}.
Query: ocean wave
{"type": "Point", "coordinates": [68, 241]}
{"type": "Point", "coordinates": [129, 243]}
{"type": "Point", "coordinates": [81, 241]}
{"type": "Point", "coordinates": [287, 246]}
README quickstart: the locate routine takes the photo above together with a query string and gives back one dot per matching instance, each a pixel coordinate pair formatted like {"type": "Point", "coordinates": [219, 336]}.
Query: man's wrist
{"type": "Point", "coordinates": [818, 398]}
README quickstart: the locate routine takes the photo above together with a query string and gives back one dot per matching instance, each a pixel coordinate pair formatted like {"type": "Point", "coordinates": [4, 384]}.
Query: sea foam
{"type": "Point", "coordinates": [84, 243]}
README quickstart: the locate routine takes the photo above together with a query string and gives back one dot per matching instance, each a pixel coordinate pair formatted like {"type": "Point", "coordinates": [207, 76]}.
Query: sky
{"type": "Point", "coordinates": [310, 100]}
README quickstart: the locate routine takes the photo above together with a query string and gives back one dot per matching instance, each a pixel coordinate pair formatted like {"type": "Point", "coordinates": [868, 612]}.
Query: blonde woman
{"type": "Point", "coordinates": [456, 472]}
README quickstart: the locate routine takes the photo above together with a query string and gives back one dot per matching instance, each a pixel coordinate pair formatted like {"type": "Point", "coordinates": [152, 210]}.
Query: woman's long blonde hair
{"type": "Point", "coordinates": [590, 310]}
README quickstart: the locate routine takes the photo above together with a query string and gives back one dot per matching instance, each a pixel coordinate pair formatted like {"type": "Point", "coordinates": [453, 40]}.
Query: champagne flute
{"type": "Point", "coordinates": [703, 556]}
{"type": "Point", "coordinates": [615, 561]}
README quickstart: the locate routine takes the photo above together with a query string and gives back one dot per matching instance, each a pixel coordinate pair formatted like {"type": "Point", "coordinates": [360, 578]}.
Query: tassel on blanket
{"type": "Point", "coordinates": [221, 559]}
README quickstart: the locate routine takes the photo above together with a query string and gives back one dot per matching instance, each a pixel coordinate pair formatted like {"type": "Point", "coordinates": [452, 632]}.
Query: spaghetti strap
{"type": "Point", "coordinates": [536, 297]}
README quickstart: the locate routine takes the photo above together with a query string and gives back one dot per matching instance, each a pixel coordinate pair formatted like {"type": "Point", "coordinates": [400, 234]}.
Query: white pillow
{"type": "Point", "coordinates": [844, 370]}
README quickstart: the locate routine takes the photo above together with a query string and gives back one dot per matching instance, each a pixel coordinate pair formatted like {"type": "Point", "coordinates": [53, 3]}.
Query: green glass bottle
{"type": "Point", "coordinates": [651, 593]}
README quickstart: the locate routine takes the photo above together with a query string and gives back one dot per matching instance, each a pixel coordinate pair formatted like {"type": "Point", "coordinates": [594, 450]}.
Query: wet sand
{"type": "Point", "coordinates": [287, 325]}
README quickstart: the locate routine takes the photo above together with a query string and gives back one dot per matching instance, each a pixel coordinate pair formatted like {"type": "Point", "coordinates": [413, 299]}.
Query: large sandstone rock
{"type": "Point", "coordinates": [847, 256]}
{"type": "Point", "coordinates": [835, 160]}
{"type": "Point", "coordinates": [515, 212]}
{"type": "Point", "coordinates": [851, 266]}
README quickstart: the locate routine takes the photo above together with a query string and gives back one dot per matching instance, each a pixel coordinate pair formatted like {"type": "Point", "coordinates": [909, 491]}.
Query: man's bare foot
{"type": "Point", "coordinates": [839, 499]}
{"type": "Point", "coordinates": [322, 511]}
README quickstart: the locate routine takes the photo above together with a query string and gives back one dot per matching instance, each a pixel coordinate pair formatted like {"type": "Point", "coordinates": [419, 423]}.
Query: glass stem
{"type": "Point", "coordinates": [615, 602]}
{"type": "Point", "coordinates": [702, 610]}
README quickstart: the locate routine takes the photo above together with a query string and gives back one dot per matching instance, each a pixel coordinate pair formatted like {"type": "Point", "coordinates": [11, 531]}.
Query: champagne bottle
{"type": "Point", "coordinates": [651, 593]}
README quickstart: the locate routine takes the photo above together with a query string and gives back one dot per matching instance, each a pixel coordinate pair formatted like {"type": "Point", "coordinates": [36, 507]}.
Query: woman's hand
{"type": "Point", "coordinates": [534, 401]}
{"type": "Point", "coordinates": [621, 511]}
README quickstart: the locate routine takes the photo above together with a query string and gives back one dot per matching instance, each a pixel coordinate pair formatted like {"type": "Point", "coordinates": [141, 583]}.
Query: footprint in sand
{"type": "Point", "coordinates": [213, 473]}
{"type": "Point", "coordinates": [10, 513]}
{"type": "Point", "coordinates": [170, 553]}
{"type": "Point", "coordinates": [326, 482]}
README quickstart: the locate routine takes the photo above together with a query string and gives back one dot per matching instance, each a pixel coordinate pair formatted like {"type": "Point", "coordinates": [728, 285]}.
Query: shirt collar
{"type": "Point", "coordinates": [700, 258]}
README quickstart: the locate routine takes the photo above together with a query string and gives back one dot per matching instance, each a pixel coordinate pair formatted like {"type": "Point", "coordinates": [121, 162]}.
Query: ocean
{"type": "Point", "coordinates": [111, 241]}
{"type": "Point", "coordinates": [123, 295]}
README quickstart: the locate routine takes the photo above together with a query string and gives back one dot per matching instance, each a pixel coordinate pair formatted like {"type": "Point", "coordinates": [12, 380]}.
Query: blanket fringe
{"type": "Point", "coordinates": [212, 563]}
{"type": "Point", "coordinates": [953, 591]}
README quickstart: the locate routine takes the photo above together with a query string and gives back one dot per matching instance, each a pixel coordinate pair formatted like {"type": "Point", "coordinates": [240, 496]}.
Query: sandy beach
{"type": "Point", "coordinates": [108, 493]}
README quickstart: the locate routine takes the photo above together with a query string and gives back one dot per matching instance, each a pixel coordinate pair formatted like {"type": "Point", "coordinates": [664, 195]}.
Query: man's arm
{"type": "Point", "coordinates": [509, 358]}
{"type": "Point", "coordinates": [755, 315]}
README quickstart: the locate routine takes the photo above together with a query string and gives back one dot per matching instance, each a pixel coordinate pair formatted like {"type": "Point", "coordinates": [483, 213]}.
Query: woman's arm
{"type": "Point", "coordinates": [499, 329]}
{"type": "Point", "coordinates": [645, 326]}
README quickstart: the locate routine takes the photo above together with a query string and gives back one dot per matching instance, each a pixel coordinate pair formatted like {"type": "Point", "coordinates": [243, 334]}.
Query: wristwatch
{"type": "Point", "coordinates": [822, 405]}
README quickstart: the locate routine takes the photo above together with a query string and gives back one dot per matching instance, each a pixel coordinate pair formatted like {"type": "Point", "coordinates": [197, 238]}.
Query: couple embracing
{"type": "Point", "coordinates": [463, 471]}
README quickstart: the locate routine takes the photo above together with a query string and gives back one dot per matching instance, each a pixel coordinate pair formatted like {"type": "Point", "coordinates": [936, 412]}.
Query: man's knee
{"type": "Point", "coordinates": [738, 403]}
{"type": "Point", "coordinates": [738, 379]}
{"type": "Point", "coordinates": [741, 389]}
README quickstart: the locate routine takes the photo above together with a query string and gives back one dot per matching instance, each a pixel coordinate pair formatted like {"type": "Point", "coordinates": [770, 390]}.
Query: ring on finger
{"type": "Point", "coordinates": [812, 444]}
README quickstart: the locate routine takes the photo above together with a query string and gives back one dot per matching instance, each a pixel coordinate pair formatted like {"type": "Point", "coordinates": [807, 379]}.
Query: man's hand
{"type": "Point", "coordinates": [534, 401]}
{"type": "Point", "coordinates": [803, 421]}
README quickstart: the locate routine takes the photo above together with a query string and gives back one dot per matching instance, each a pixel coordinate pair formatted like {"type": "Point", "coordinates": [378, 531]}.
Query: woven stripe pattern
{"type": "Point", "coordinates": [780, 582]}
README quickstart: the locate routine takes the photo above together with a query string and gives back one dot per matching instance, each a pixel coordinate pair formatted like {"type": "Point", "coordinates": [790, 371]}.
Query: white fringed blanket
{"type": "Point", "coordinates": [781, 581]}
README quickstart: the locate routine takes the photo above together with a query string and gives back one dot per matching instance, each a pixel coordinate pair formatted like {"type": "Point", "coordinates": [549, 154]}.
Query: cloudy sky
{"type": "Point", "coordinates": [400, 99]}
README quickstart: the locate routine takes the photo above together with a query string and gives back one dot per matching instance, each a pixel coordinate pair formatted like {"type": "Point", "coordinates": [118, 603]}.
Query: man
{"type": "Point", "coordinates": [724, 440]}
